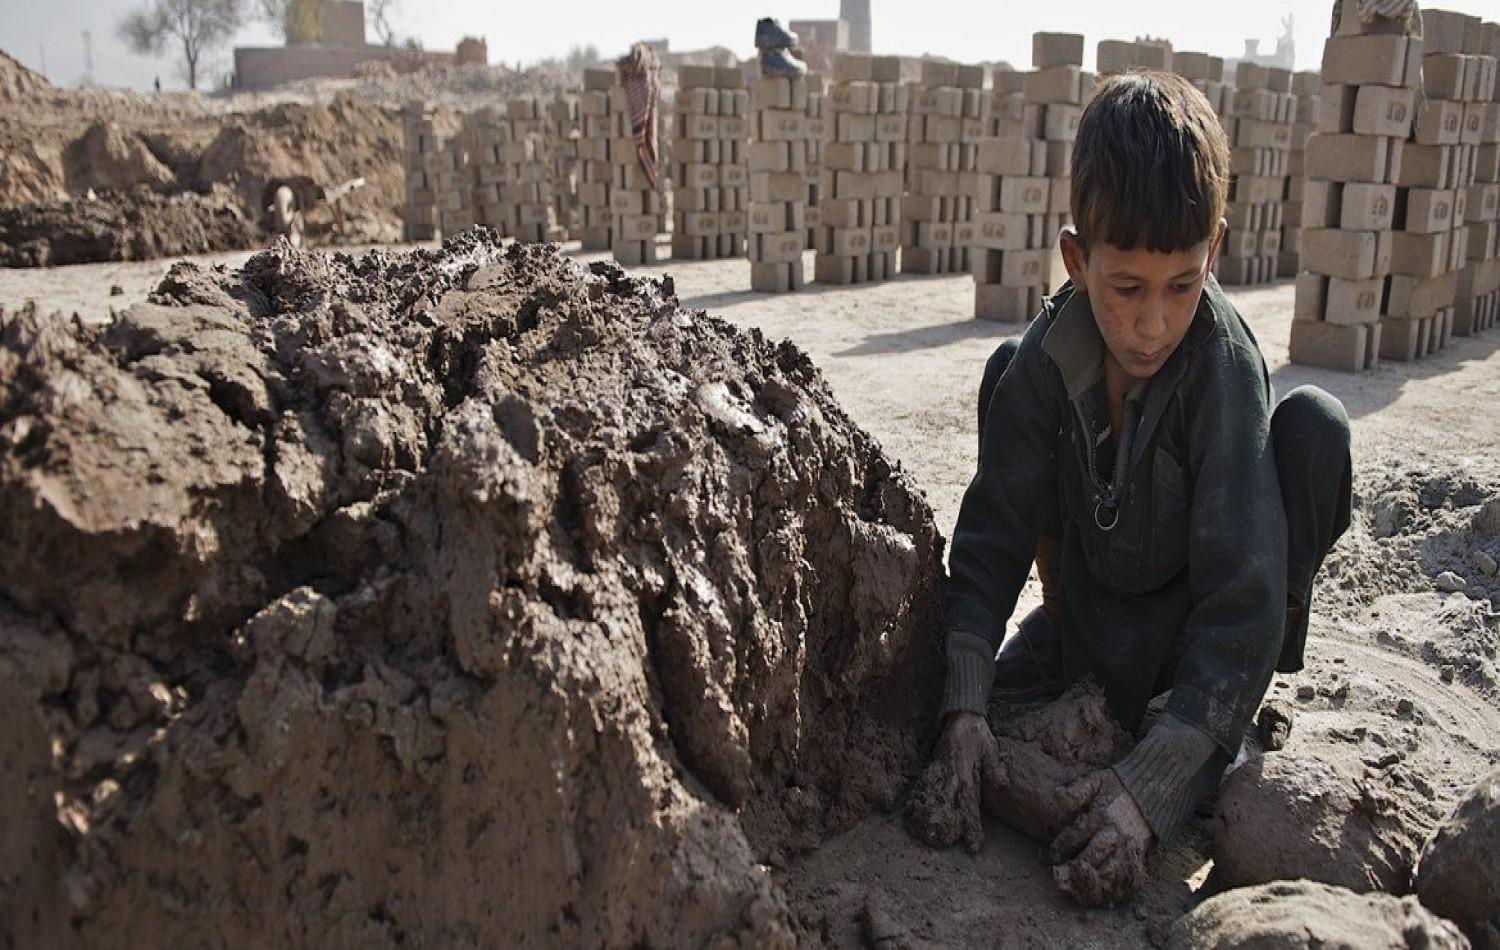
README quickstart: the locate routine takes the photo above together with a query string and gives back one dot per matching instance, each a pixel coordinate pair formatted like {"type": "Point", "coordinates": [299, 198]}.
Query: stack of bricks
{"type": "Point", "coordinates": [709, 175]}
{"type": "Point", "coordinates": [1459, 73]}
{"type": "Point", "coordinates": [1352, 165]}
{"type": "Point", "coordinates": [635, 202]}
{"type": "Point", "coordinates": [526, 173]}
{"type": "Point", "coordinates": [595, 172]}
{"type": "Point", "coordinates": [455, 187]}
{"type": "Point", "coordinates": [422, 161]}
{"type": "Point", "coordinates": [943, 129]}
{"type": "Point", "coordinates": [1206, 74]}
{"type": "Point", "coordinates": [817, 131]}
{"type": "Point", "coordinates": [1308, 88]}
{"type": "Point", "coordinates": [1264, 111]}
{"type": "Point", "coordinates": [776, 215]}
{"type": "Point", "coordinates": [1057, 88]}
{"type": "Point", "coordinates": [861, 183]}
{"type": "Point", "coordinates": [486, 136]}
{"type": "Point", "coordinates": [1016, 200]}
{"type": "Point", "coordinates": [563, 130]}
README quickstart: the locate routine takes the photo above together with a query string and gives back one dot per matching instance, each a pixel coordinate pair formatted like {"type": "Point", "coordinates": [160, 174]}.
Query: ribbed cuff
{"type": "Point", "coordinates": [971, 673]}
{"type": "Point", "coordinates": [1158, 773]}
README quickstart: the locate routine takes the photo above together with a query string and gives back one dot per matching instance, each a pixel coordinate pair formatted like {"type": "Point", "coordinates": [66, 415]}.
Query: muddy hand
{"type": "Point", "coordinates": [1099, 857]}
{"type": "Point", "coordinates": [944, 806]}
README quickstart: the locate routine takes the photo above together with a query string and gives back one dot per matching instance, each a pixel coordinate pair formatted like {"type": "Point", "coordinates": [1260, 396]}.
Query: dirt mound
{"type": "Point", "coordinates": [1303, 915]}
{"type": "Point", "coordinates": [105, 158]}
{"type": "Point", "coordinates": [440, 598]}
{"type": "Point", "coordinates": [137, 225]}
{"type": "Point", "coordinates": [1285, 816]}
{"type": "Point", "coordinates": [329, 144]}
{"type": "Point", "coordinates": [17, 82]}
{"type": "Point", "coordinates": [1459, 874]}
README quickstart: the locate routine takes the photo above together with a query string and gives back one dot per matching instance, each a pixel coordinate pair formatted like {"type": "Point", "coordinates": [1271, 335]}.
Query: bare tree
{"type": "Point", "coordinates": [295, 21]}
{"type": "Point", "coordinates": [378, 13]}
{"type": "Point", "coordinates": [193, 25]}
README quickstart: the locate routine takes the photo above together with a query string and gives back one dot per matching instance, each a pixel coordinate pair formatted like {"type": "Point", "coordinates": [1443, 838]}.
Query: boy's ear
{"type": "Point", "coordinates": [1218, 242]}
{"type": "Point", "coordinates": [1075, 258]}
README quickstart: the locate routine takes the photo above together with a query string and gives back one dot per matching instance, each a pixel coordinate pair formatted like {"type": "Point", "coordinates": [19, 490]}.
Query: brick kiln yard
{"type": "Point", "coordinates": [1400, 686]}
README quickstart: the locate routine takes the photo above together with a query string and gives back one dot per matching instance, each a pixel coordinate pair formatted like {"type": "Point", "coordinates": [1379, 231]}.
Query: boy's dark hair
{"type": "Point", "coordinates": [1150, 165]}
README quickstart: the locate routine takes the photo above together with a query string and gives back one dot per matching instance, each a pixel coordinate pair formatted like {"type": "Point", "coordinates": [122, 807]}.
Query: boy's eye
{"type": "Point", "coordinates": [1182, 288]}
{"type": "Point", "coordinates": [1127, 291]}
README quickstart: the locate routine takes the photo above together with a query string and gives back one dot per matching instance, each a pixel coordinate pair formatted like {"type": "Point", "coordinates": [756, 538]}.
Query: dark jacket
{"type": "Point", "coordinates": [1180, 584]}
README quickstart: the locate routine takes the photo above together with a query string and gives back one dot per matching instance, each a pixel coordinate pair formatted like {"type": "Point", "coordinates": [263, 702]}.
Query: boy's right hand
{"type": "Point", "coordinates": [944, 805]}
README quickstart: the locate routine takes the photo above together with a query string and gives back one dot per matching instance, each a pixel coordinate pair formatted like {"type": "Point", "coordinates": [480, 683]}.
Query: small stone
{"type": "Point", "coordinates": [1446, 674]}
{"type": "Point", "coordinates": [1450, 583]}
{"type": "Point", "coordinates": [1404, 708]}
{"type": "Point", "coordinates": [115, 290]}
{"type": "Point", "coordinates": [1305, 692]}
{"type": "Point", "coordinates": [1485, 563]}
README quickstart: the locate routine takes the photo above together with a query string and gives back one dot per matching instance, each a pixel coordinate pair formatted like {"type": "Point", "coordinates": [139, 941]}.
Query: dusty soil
{"type": "Point", "coordinates": [1400, 679]}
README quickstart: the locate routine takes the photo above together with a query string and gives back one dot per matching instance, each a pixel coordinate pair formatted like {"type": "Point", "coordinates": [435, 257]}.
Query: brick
{"type": "Point", "coordinates": [1367, 207]}
{"type": "Point", "coordinates": [1006, 304]}
{"type": "Point", "coordinates": [1439, 122]}
{"type": "Point", "coordinates": [1335, 253]}
{"type": "Point", "coordinates": [1419, 255]}
{"type": "Point", "coordinates": [1426, 210]}
{"type": "Point", "coordinates": [1443, 75]}
{"type": "Point", "coordinates": [1056, 84]}
{"type": "Point", "coordinates": [1337, 157]}
{"type": "Point", "coordinates": [1426, 166]}
{"type": "Point", "coordinates": [1056, 49]}
{"type": "Point", "coordinates": [1354, 301]}
{"type": "Point", "coordinates": [1329, 346]}
{"type": "Point", "coordinates": [1371, 59]}
{"type": "Point", "coordinates": [1383, 110]}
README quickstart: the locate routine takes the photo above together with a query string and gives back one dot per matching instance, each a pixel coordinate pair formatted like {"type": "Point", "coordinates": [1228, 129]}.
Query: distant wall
{"type": "Point", "coordinates": [857, 13]}
{"type": "Point", "coordinates": [260, 67]}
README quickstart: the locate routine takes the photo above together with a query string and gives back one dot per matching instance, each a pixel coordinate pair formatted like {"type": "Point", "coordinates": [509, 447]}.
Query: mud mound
{"type": "Point", "coordinates": [137, 225]}
{"type": "Point", "coordinates": [1303, 915]}
{"type": "Point", "coordinates": [1459, 874]}
{"type": "Point", "coordinates": [1284, 816]}
{"type": "Point", "coordinates": [17, 82]}
{"type": "Point", "coordinates": [454, 598]}
{"type": "Point", "coordinates": [328, 144]}
{"type": "Point", "coordinates": [105, 158]}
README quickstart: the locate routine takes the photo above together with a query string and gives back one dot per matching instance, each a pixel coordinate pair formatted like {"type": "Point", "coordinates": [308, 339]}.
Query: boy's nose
{"type": "Point", "coordinates": [1152, 320]}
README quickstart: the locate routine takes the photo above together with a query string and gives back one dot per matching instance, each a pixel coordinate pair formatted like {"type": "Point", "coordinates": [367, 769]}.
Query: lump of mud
{"type": "Point", "coordinates": [1304, 915]}
{"type": "Point", "coordinates": [1284, 816]}
{"type": "Point", "coordinates": [1458, 874]}
{"type": "Point", "coordinates": [445, 598]}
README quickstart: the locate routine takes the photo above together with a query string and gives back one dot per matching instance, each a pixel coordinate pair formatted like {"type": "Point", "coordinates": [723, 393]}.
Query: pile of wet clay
{"type": "Point", "coordinates": [458, 598]}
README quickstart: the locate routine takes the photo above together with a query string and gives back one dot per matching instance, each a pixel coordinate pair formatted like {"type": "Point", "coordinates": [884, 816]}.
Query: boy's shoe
{"type": "Point", "coordinates": [770, 34]}
{"type": "Point", "coordinates": [780, 62]}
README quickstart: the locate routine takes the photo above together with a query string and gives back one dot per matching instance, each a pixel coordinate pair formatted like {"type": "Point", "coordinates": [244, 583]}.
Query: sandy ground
{"type": "Point", "coordinates": [905, 360]}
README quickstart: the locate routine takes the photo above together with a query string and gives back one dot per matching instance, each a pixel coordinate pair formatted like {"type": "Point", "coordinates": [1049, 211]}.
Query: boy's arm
{"type": "Point", "coordinates": [999, 520]}
{"type": "Point", "coordinates": [1236, 551]}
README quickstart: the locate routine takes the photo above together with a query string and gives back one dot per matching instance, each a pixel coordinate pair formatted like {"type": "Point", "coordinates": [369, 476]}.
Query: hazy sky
{"type": "Point", "coordinates": [969, 31]}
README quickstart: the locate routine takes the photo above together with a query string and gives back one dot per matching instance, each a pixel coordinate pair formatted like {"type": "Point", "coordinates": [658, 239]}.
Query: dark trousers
{"type": "Point", "coordinates": [1310, 439]}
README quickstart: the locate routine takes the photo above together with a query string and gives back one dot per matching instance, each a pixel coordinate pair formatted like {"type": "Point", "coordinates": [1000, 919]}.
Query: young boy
{"type": "Point", "coordinates": [1128, 445]}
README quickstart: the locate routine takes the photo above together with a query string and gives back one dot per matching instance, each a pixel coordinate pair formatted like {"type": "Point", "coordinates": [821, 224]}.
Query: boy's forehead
{"type": "Point", "coordinates": [1144, 263]}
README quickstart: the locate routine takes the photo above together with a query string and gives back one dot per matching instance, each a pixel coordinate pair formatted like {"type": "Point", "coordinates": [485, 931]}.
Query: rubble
{"type": "Point", "coordinates": [441, 597]}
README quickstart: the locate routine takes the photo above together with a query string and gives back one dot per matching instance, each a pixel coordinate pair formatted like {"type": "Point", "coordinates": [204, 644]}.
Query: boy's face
{"type": "Point", "coordinates": [1143, 301]}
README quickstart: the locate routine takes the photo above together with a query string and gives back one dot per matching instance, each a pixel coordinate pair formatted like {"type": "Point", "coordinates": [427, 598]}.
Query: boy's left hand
{"type": "Point", "coordinates": [1099, 857]}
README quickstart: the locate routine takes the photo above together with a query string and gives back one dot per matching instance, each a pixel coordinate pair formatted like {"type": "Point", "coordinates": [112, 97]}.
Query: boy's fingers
{"type": "Point", "coordinates": [1076, 796]}
{"type": "Point", "coordinates": [968, 810]}
{"type": "Point", "coordinates": [1074, 837]}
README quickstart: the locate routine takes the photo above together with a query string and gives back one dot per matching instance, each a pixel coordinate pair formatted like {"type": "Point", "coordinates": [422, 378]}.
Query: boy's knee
{"type": "Point", "coordinates": [1311, 422]}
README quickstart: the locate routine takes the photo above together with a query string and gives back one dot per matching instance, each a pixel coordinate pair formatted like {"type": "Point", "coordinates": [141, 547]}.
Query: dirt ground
{"type": "Point", "coordinates": [1400, 678]}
